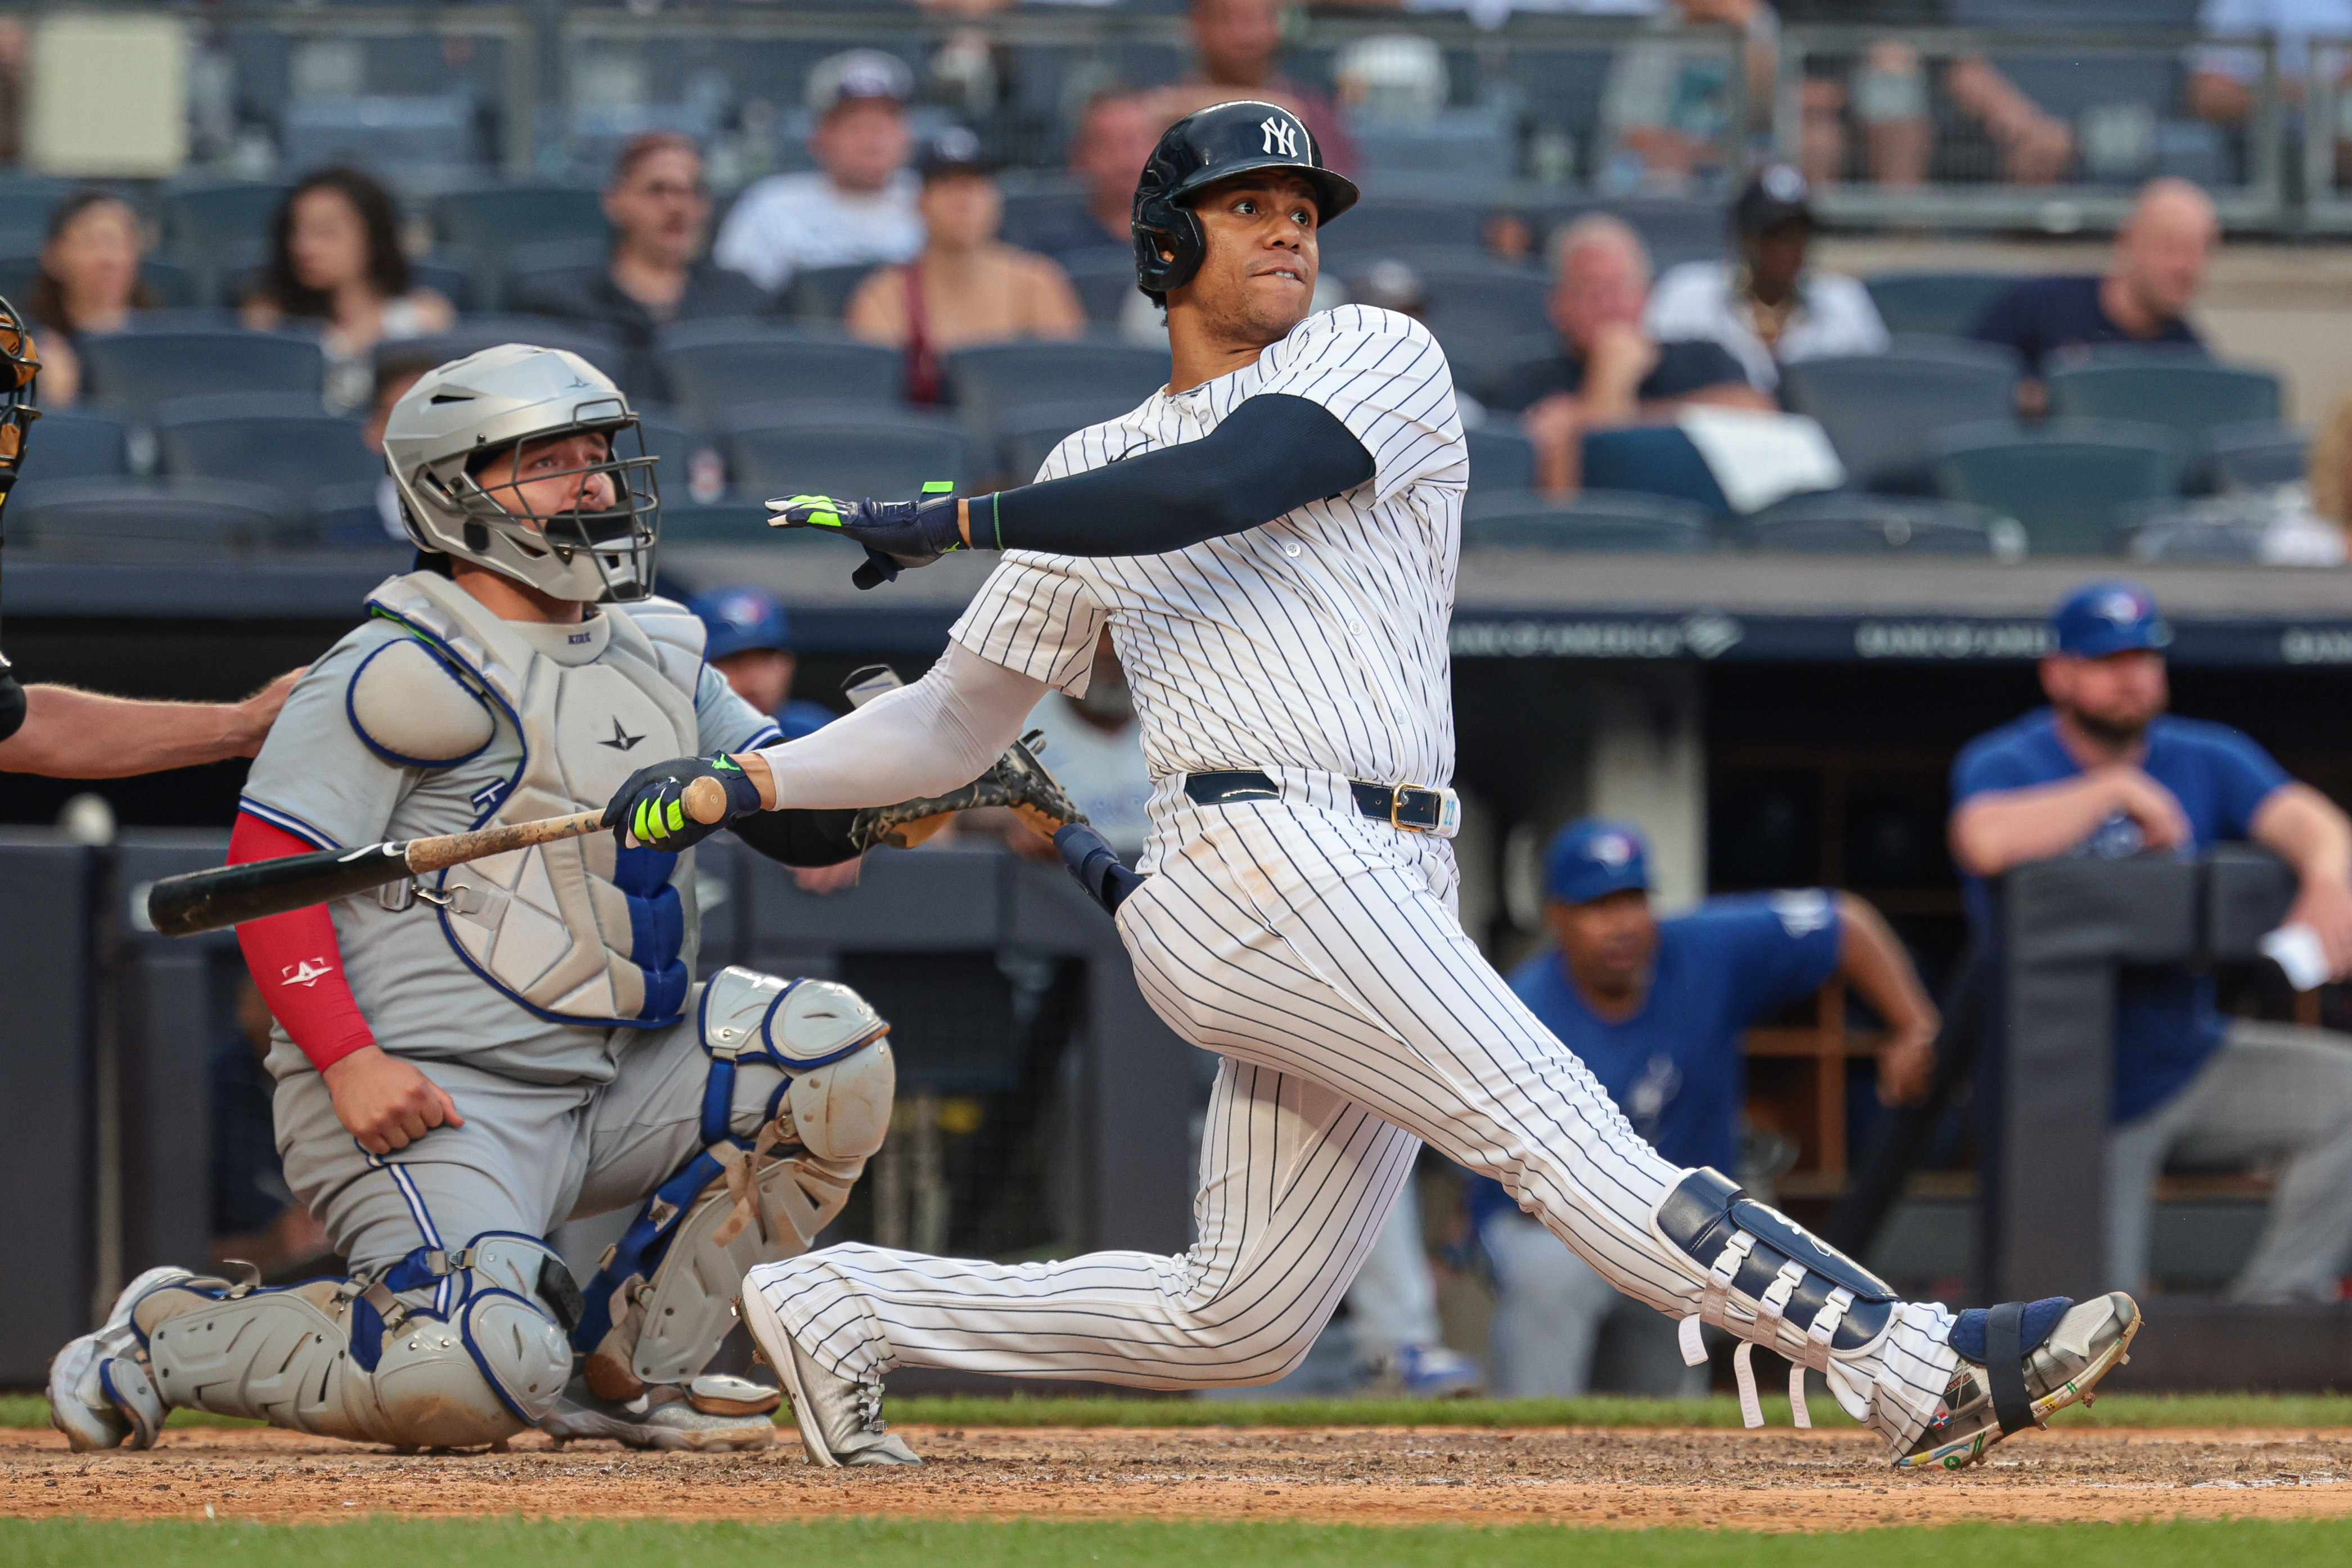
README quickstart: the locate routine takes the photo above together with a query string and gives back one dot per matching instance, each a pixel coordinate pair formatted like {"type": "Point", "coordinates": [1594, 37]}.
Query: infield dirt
{"type": "Point", "coordinates": [1771, 1480]}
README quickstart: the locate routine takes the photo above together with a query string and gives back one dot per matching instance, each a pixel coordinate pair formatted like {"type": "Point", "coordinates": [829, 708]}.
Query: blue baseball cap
{"type": "Point", "coordinates": [2102, 618]}
{"type": "Point", "coordinates": [735, 619]}
{"type": "Point", "coordinates": [1594, 857]}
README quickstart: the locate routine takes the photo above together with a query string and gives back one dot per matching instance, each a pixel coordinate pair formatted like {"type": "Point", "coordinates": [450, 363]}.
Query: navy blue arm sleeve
{"type": "Point", "coordinates": [1272, 455]}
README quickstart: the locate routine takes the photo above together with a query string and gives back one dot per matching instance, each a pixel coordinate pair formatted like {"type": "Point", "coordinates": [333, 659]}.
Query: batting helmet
{"type": "Point", "coordinates": [1198, 151]}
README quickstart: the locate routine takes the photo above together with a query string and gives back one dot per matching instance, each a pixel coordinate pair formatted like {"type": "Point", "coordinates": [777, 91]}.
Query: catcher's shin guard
{"type": "Point", "coordinates": [1768, 1281]}
{"type": "Point", "coordinates": [766, 1182]}
{"type": "Point", "coordinates": [351, 1358]}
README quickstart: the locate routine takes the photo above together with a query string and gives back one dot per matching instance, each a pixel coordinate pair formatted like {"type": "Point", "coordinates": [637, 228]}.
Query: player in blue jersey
{"type": "Point", "coordinates": [1656, 1009]}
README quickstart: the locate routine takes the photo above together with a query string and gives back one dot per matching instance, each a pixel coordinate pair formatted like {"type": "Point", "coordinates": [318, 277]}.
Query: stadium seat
{"type": "Point", "coordinates": [2069, 483]}
{"type": "Point", "coordinates": [2256, 456]}
{"type": "Point", "coordinates": [1652, 460]}
{"type": "Point", "coordinates": [1848, 522]}
{"type": "Point", "coordinates": [1105, 280]}
{"type": "Point", "coordinates": [170, 285]}
{"type": "Point", "coordinates": [1935, 304]}
{"type": "Point", "coordinates": [198, 221]}
{"type": "Point", "coordinates": [76, 443]}
{"type": "Point", "coordinates": [1591, 520]}
{"type": "Point", "coordinates": [992, 381]}
{"type": "Point", "coordinates": [1026, 436]}
{"type": "Point", "coordinates": [135, 517]}
{"type": "Point", "coordinates": [280, 439]}
{"type": "Point", "coordinates": [2185, 393]}
{"type": "Point", "coordinates": [822, 293]}
{"type": "Point", "coordinates": [741, 524]}
{"type": "Point", "coordinates": [524, 266]}
{"type": "Point", "coordinates": [2226, 529]}
{"type": "Point", "coordinates": [1882, 411]}
{"type": "Point", "coordinates": [1500, 459]}
{"type": "Point", "coordinates": [715, 366]}
{"type": "Point", "coordinates": [1379, 226]}
{"type": "Point", "coordinates": [794, 448]}
{"type": "Point", "coordinates": [475, 333]}
{"type": "Point", "coordinates": [1483, 299]}
{"type": "Point", "coordinates": [482, 225]}
{"type": "Point", "coordinates": [137, 371]}
{"type": "Point", "coordinates": [26, 206]}
{"type": "Point", "coordinates": [667, 437]}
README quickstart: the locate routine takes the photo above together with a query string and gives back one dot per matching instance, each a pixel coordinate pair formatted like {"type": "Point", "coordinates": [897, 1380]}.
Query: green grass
{"type": "Point", "coordinates": [2117, 1410]}
{"type": "Point", "coordinates": [917, 1544]}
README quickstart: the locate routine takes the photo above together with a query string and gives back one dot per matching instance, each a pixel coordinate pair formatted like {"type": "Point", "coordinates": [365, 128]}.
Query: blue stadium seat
{"type": "Point", "coordinates": [2195, 531]}
{"type": "Point", "coordinates": [475, 333]}
{"type": "Point", "coordinates": [715, 366]}
{"type": "Point", "coordinates": [137, 518]}
{"type": "Point", "coordinates": [1381, 225]}
{"type": "Point", "coordinates": [76, 443]}
{"type": "Point", "coordinates": [1483, 299]}
{"type": "Point", "coordinates": [2070, 481]}
{"type": "Point", "coordinates": [137, 371]}
{"type": "Point", "coordinates": [795, 448]}
{"type": "Point", "coordinates": [1591, 520]}
{"type": "Point", "coordinates": [282, 440]}
{"type": "Point", "coordinates": [1882, 411]}
{"type": "Point", "coordinates": [198, 223]}
{"type": "Point", "coordinates": [2256, 456]}
{"type": "Point", "coordinates": [1026, 436]}
{"type": "Point", "coordinates": [482, 225]}
{"type": "Point", "coordinates": [1652, 460]}
{"type": "Point", "coordinates": [1936, 304]}
{"type": "Point", "coordinates": [1500, 459]}
{"type": "Point", "coordinates": [2184, 393]}
{"type": "Point", "coordinates": [823, 293]}
{"type": "Point", "coordinates": [1105, 280]}
{"type": "Point", "coordinates": [993, 380]}
{"type": "Point", "coordinates": [1847, 522]}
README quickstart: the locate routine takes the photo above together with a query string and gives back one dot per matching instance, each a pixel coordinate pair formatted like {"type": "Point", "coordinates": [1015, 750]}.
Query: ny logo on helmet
{"type": "Point", "coordinates": [1281, 136]}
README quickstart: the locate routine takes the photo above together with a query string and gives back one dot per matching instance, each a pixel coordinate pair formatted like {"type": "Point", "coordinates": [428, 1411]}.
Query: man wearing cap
{"type": "Point", "coordinates": [1656, 1009]}
{"type": "Point", "coordinates": [1769, 308]}
{"type": "Point", "coordinates": [749, 640]}
{"type": "Point", "coordinates": [2105, 771]}
{"type": "Point", "coordinates": [860, 206]}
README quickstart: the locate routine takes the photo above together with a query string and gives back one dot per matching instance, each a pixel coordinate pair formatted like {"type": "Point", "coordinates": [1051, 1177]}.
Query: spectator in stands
{"type": "Point", "coordinates": [1116, 134]}
{"type": "Point", "coordinates": [1888, 98]}
{"type": "Point", "coordinates": [1769, 308]}
{"type": "Point", "coordinates": [2159, 260]}
{"type": "Point", "coordinates": [335, 263]}
{"type": "Point", "coordinates": [966, 285]}
{"type": "Point", "coordinates": [1666, 108]}
{"type": "Point", "coordinates": [660, 212]}
{"type": "Point", "coordinates": [2222, 82]}
{"type": "Point", "coordinates": [1655, 1010]}
{"type": "Point", "coordinates": [1235, 43]}
{"type": "Point", "coordinates": [88, 282]}
{"type": "Point", "coordinates": [2105, 772]}
{"type": "Point", "coordinates": [749, 640]}
{"type": "Point", "coordinates": [397, 369]}
{"type": "Point", "coordinates": [1609, 370]}
{"type": "Point", "coordinates": [859, 209]}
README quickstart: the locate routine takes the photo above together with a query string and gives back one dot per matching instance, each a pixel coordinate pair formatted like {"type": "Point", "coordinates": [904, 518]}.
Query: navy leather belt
{"type": "Point", "coordinates": [1404, 806]}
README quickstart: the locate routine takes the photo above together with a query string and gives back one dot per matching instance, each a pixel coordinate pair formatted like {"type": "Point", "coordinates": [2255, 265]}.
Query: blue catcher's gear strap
{"type": "Point", "coordinates": [2005, 1366]}
{"type": "Point", "coordinates": [639, 1250]}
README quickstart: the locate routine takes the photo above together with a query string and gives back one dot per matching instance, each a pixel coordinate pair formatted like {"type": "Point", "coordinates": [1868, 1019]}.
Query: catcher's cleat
{"type": "Point", "coordinates": [99, 1394]}
{"type": "Point", "coordinates": [710, 1414]}
{"type": "Point", "coordinates": [2060, 1350]}
{"type": "Point", "coordinates": [840, 1418]}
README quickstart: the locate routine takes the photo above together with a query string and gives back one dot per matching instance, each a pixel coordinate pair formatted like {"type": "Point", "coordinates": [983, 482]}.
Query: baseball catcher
{"type": "Point", "coordinates": [466, 1060]}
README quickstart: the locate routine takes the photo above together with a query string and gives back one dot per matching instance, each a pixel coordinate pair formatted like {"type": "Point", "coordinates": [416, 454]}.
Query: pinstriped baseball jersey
{"type": "Point", "coordinates": [1317, 642]}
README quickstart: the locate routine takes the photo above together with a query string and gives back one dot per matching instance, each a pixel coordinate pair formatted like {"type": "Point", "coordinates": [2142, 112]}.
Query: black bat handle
{"type": "Point", "coordinates": [1097, 865]}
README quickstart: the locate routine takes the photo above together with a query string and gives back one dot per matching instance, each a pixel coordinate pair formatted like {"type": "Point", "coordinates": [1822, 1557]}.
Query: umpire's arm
{"type": "Point", "coordinates": [72, 734]}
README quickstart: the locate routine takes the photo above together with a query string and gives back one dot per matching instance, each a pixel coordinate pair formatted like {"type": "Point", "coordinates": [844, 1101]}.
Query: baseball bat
{"type": "Point", "coordinates": [230, 895]}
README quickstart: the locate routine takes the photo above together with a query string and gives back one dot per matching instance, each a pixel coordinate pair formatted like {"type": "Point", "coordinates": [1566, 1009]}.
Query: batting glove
{"type": "Point", "coordinates": [651, 807]}
{"type": "Point", "coordinates": [895, 533]}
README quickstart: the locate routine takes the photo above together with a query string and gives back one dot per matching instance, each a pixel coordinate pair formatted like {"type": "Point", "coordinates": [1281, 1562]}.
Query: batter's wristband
{"type": "Point", "coordinates": [996, 516]}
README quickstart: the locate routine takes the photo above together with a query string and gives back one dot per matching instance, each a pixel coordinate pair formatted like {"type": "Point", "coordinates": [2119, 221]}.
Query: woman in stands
{"type": "Point", "coordinates": [335, 262]}
{"type": "Point", "coordinates": [88, 282]}
{"type": "Point", "coordinates": [966, 286]}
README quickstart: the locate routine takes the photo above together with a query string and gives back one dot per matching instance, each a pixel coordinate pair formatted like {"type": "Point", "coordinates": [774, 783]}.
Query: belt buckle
{"type": "Point", "coordinates": [1439, 802]}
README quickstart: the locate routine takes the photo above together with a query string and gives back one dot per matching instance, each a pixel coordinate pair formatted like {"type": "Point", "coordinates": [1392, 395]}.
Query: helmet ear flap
{"type": "Point", "coordinates": [1165, 225]}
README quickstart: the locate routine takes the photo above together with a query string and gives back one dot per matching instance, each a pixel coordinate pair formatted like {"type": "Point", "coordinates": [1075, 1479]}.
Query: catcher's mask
{"type": "Point", "coordinates": [1198, 151]}
{"type": "Point", "coordinates": [20, 363]}
{"type": "Point", "coordinates": [453, 444]}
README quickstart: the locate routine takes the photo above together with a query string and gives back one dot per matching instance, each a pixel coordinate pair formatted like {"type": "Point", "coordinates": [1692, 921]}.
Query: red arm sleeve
{"type": "Point", "coordinates": [295, 958]}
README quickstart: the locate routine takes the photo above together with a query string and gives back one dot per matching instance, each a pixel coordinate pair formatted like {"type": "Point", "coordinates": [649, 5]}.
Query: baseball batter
{"type": "Point", "coordinates": [463, 1066]}
{"type": "Point", "coordinates": [1272, 541]}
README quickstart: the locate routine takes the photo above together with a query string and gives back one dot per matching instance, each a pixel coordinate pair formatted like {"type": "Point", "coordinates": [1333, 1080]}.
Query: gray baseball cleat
{"type": "Point", "coordinates": [713, 1413]}
{"type": "Point", "coordinates": [840, 1418]}
{"type": "Point", "coordinates": [99, 1394]}
{"type": "Point", "coordinates": [2059, 1350]}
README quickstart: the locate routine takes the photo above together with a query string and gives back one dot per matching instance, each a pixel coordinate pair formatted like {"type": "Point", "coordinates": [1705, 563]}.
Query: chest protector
{"type": "Point", "coordinates": [581, 931]}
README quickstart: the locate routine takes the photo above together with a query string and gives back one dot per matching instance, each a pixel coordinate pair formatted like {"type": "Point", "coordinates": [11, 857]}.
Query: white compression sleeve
{"type": "Point", "coordinates": [940, 734]}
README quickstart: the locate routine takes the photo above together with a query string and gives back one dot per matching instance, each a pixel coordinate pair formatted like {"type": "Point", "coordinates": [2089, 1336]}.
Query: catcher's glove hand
{"type": "Point", "coordinates": [895, 533]}
{"type": "Point", "coordinates": [1018, 780]}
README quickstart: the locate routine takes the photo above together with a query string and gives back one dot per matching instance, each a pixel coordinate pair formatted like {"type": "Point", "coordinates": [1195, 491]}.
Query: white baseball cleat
{"type": "Point", "coordinates": [99, 1394]}
{"type": "Point", "coordinates": [840, 1418]}
{"type": "Point", "coordinates": [712, 1414]}
{"type": "Point", "coordinates": [2060, 1348]}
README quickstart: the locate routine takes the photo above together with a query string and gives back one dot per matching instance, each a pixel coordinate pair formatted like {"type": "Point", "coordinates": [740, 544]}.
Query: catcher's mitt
{"type": "Point", "coordinates": [1018, 781]}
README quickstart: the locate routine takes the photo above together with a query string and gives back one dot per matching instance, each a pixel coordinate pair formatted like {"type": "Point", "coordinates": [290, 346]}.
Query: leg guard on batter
{"type": "Point", "coordinates": [353, 1358]}
{"type": "Point", "coordinates": [760, 1191]}
{"type": "Point", "coordinates": [1768, 1281]}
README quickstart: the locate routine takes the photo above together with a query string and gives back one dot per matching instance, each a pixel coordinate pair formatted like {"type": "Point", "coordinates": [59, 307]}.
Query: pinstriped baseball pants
{"type": "Point", "coordinates": [1319, 954]}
